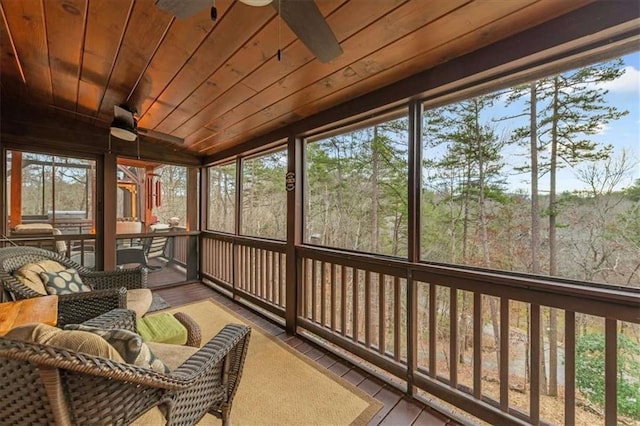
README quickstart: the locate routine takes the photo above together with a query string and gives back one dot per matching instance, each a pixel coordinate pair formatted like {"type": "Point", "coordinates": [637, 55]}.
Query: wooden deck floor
{"type": "Point", "coordinates": [398, 409]}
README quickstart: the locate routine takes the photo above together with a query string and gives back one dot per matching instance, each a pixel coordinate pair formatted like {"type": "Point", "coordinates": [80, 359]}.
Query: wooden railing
{"type": "Point", "coordinates": [478, 340]}
{"type": "Point", "coordinates": [78, 247]}
{"type": "Point", "coordinates": [251, 268]}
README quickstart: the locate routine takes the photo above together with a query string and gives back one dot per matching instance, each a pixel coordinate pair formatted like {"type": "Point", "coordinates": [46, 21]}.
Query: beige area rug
{"type": "Point", "coordinates": [280, 386]}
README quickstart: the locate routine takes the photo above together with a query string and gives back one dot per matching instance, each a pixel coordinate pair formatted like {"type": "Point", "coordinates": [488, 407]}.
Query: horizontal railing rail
{"type": "Point", "coordinates": [449, 321]}
{"type": "Point", "coordinates": [485, 341]}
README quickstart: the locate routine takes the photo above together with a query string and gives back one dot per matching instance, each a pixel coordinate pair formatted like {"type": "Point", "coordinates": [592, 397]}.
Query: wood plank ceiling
{"type": "Point", "coordinates": [217, 84]}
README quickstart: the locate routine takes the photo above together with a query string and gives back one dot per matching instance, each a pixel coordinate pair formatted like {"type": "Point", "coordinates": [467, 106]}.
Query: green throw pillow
{"type": "Point", "coordinates": [128, 344]}
{"type": "Point", "coordinates": [63, 282]}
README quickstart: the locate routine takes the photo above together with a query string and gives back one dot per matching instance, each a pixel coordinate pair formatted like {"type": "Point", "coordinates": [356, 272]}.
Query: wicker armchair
{"type": "Point", "coordinates": [101, 391]}
{"type": "Point", "coordinates": [109, 288]}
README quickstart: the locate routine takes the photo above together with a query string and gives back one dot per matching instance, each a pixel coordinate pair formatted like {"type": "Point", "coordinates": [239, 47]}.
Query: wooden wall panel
{"type": "Point", "coordinates": [182, 40]}
{"type": "Point", "coordinates": [400, 22]}
{"type": "Point", "coordinates": [11, 83]}
{"type": "Point", "coordinates": [106, 21]}
{"type": "Point", "coordinates": [229, 35]}
{"type": "Point", "coordinates": [198, 108]}
{"type": "Point", "coordinates": [145, 29]}
{"type": "Point", "coordinates": [65, 24]}
{"type": "Point", "coordinates": [345, 22]}
{"type": "Point", "coordinates": [25, 20]}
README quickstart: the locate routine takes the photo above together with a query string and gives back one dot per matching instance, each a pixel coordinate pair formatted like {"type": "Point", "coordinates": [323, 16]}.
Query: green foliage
{"type": "Point", "coordinates": [633, 192]}
{"type": "Point", "coordinates": [590, 364]}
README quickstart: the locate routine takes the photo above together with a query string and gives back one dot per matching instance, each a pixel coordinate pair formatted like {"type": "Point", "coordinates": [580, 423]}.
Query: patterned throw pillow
{"type": "Point", "coordinates": [128, 344]}
{"type": "Point", "coordinates": [64, 282]}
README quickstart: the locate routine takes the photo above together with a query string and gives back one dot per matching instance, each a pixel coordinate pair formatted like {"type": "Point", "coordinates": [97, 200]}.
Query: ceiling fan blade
{"type": "Point", "coordinates": [183, 9]}
{"type": "Point", "coordinates": [306, 21]}
{"type": "Point", "coordinates": [160, 136]}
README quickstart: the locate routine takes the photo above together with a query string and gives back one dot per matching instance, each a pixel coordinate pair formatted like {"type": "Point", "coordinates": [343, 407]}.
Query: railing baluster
{"type": "Point", "coordinates": [305, 286]}
{"type": "Point", "coordinates": [323, 293]}
{"type": "Point", "coordinates": [504, 354]}
{"type": "Point", "coordinates": [282, 259]}
{"type": "Point", "coordinates": [343, 300]}
{"type": "Point", "coordinates": [275, 283]}
{"type": "Point", "coordinates": [477, 344]}
{"type": "Point", "coordinates": [570, 368]}
{"type": "Point", "coordinates": [313, 290]}
{"type": "Point", "coordinates": [256, 283]}
{"type": "Point", "coordinates": [534, 368]}
{"type": "Point", "coordinates": [333, 308]}
{"type": "Point", "coordinates": [610, 372]}
{"type": "Point", "coordinates": [453, 337]}
{"type": "Point", "coordinates": [263, 275]}
{"type": "Point", "coordinates": [367, 309]}
{"type": "Point", "coordinates": [355, 312]}
{"type": "Point", "coordinates": [230, 261]}
{"type": "Point", "coordinates": [396, 319]}
{"type": "Point", "coordinates": [432, 330]}
{"type": "Point", "coordinates": [382, 323]}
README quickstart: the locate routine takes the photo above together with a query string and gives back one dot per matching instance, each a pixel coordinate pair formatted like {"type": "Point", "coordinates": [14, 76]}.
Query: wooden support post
{"type": "Point", "coordinates": [413, 188]}
{"type": "Point", "coordinates": [145, 187]}
{"type": "Point", "coordinates": [16, 188]}
{"type": "Point", "coordinates": [294, 228]}
{"type": "Point", "coordinates": [192, 223]}
{"type": "Point", "coordinates": [3, 194]}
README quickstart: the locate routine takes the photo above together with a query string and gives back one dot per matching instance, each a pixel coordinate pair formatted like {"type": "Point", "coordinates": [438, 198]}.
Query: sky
{"type": "Point", "coordinates": [622, 134]}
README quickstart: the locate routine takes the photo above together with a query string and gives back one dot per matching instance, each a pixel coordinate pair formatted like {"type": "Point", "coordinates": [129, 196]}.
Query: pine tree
{"type": "Point", "coordinates": [569, 107]}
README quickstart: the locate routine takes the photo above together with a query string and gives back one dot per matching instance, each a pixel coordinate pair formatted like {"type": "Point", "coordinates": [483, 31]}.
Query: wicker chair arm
{"type": "Point", "coordinates": [128, 278]}
{"type": "Point", "coordinates": [180, 379]}
{"type": "Point", "coordinates": [122, 392]}
{"type": "Point", "coordinates": [214, 351]}
{"type": "Point", "coordinates": [115, 318]}
{"type": "Point", "coordinates": [215, 372]}
{"type": "Point", "coordinates": [79, 307]}
{"type": "Point", "coordinates": [15, 287]}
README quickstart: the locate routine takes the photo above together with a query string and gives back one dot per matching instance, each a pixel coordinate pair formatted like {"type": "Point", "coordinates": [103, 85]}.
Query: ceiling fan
{"type": "Point", "coordinates": [302, 16]}
{"type": "Point", "coordinates": [125, 126]}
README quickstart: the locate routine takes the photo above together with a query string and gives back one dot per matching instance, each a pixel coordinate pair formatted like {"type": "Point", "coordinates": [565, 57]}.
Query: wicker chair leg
{"type": "Point", "coordinates": [194, 335]}
{"type": "Point", "coordinates": [226, 410]}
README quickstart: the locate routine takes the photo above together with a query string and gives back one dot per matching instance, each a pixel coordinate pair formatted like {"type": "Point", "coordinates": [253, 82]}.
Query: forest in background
{"type": "Point", "coordinates": [577, 217]}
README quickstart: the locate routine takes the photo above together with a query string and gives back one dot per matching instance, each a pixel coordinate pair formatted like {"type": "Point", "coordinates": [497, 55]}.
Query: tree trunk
{"type": "Point", "coordinates": [375, 230]}
{"type": "Point", "coordinates": [553, 249]}
{"type": "Point", "coordinates": [535, 201]}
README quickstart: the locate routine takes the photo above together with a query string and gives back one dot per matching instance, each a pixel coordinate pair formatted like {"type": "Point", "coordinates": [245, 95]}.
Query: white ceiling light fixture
{"type": "Point", "coordinates": [123, 132]}
{"type": "Point", "coordinates": [257, 3]}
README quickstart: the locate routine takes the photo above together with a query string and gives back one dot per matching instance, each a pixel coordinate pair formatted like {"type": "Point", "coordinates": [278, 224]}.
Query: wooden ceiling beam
{"type": "Point", "coordinates": [55, 132]}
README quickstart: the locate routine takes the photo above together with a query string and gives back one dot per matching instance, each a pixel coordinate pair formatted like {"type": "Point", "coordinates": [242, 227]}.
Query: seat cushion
{"type": "Point", "coordinates": [77, 341]}
{"type": "Point", "coordinates": [29, 274]}
{"type": "Point", "coordinates": [162, 328]}
{"type": "Point", "coordinates": [129, 345]}
{"type": "Point", "coordinates": [172, 355]}
{"type": "Point", "coordinates": [139, 301]}
{"type": "Point", "coordinates": [67, 281]}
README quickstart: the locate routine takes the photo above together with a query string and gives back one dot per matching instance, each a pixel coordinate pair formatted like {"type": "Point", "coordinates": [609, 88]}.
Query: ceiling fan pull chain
{"type": "Point", "coordinates": [109, 142]}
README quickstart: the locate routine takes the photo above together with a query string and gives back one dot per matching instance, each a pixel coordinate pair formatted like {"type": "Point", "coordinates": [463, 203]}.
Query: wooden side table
{"type": "Point", "coordinates": [37, 309]}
